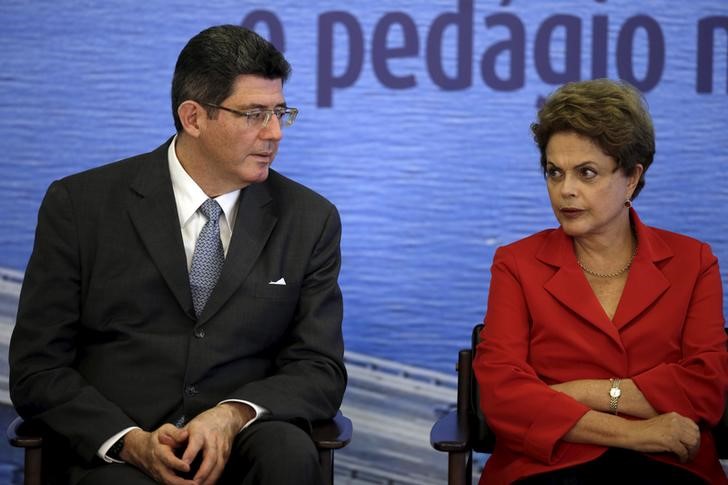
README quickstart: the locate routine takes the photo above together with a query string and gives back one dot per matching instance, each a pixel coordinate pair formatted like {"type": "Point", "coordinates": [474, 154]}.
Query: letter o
{"type": "Point", "coordinates": [655, 52]}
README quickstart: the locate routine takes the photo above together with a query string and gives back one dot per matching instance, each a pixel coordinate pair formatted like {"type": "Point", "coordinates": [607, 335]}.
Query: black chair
{"type": "Point", "coordinates": [464, 430]}
{"type": "Point", "coordinates": [328, 435]}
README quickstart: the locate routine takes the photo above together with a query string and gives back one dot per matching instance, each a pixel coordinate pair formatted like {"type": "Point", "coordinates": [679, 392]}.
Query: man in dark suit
{"type": "Point", "coordinates": [180, 318]}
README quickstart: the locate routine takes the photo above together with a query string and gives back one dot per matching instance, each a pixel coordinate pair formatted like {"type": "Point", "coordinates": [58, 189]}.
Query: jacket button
{"type": "Point", "coordinates": [200, 332]}
{"type": "Point", "coordinates": [190, 390]}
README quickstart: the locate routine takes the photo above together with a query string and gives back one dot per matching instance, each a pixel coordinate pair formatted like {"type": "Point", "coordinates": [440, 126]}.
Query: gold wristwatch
{"type": "Point", "coordinates": [614, 394]}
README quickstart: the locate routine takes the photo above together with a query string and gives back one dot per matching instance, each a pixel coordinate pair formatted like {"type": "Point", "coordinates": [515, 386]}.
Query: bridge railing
{"type": "Point", "coordinates": [355, 360]}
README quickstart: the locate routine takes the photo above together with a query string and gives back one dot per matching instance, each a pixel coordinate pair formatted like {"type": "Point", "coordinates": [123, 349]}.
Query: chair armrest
{"type": "Point", "coordinates": [332, 434]}
{"type": "Point", "coordinates": [24, 435]}
{"type": "Point", "coordinates": [450, 434]}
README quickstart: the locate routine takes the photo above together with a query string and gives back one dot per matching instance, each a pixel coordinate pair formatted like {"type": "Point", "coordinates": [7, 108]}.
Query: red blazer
{"type": "Point", "coordinates": [544, 325]}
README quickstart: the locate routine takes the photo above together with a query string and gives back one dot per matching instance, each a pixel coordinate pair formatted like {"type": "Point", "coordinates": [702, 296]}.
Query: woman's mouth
{"type": "Point", "coordinates": [571, 212]}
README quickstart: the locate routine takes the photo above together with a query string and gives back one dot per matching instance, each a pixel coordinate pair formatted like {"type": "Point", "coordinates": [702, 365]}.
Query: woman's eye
{"type": "Point", "coordinates": [553, 173]}
{"type": "Point", "coordinates": [587, 173]}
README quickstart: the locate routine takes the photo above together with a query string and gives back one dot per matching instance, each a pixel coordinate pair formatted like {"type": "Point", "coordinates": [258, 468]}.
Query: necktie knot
{"type": "Point", "coordinates": [211, 209]}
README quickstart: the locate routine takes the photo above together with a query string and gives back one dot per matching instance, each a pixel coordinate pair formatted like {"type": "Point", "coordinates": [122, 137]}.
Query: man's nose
{"type": "Point", "coordinates": [272, 131]}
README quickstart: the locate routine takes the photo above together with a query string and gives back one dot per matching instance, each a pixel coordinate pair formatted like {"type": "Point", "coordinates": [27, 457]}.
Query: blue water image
{"type": "Point", "coordinates": [429, 180]}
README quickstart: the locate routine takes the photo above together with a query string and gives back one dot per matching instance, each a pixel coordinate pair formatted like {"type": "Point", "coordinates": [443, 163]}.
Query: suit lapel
{"type": "Point", "coordinates": [254, 223]}
{"type": "Point", "coordinates": [646, 282]}
{"type": "Point", "coordinates": [569, 285]}
{"type": "Point", "coordinates": [154, 215]}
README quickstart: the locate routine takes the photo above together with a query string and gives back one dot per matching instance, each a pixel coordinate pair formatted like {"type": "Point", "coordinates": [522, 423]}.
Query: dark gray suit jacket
{"type": "Point", "coordinates": [106, 336]}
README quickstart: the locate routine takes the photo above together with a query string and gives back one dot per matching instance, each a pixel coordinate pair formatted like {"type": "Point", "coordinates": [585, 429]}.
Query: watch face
{"type": "Point", "coordinates": [614, 392]}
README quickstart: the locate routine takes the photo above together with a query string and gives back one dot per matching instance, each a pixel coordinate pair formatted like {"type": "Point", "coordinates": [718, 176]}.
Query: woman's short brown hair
{"type": "Point", "coordinates": [613, 114]}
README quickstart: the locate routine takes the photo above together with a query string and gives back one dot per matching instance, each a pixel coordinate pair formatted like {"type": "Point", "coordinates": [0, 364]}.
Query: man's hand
{"type": "Point", "coordinates": [668, 432]}
{"type": "Point", "coordinates": [212, 433]}
{"type": "Point", "coordinates": [153, 453]}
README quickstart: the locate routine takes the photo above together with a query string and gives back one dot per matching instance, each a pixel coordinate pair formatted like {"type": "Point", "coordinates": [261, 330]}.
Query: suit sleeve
{"type": "Point", "coordinates": [45, 340]}
{"type": "Point", "coordinates": [696, 385]}
{"type": "Point", "coordinates": [526, 415]}
{"type": "Point", "coordinates": [310, 376]}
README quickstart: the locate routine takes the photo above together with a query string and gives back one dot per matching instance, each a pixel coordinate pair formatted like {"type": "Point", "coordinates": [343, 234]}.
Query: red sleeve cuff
{"type": "Point", "coordinates": [559, 414]}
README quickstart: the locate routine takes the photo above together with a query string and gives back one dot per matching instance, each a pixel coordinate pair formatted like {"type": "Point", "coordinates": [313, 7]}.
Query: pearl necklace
{"type": "Point", "coordinates": [609, 275]}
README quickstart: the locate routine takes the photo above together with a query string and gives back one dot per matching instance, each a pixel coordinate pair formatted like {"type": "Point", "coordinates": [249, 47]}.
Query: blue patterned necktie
{"type": "Point", "coordinates": [208, 257]}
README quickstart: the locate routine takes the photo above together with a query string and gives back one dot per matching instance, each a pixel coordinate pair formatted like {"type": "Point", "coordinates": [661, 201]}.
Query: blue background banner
{"type": "Point", "coordinates": [414, 121]}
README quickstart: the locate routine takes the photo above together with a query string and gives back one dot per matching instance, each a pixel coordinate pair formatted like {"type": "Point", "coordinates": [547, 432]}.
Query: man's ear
{"type": "Point", "coordinates": [192, 116]}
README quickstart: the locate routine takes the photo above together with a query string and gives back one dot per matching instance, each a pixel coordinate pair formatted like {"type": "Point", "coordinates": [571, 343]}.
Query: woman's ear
{"type": "Point", "coordinates": [634, 178]}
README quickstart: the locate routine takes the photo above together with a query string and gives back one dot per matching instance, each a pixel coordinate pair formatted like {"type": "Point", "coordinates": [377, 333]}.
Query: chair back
{"type": "Point", "coordinates": [720, 432]}
{"type": "Point", "coordinates": [483, 438]}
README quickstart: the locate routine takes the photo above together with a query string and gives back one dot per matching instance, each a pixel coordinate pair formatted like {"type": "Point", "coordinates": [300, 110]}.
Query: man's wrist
{"type": "Point", "coordinates": [115, 451]}
{"type": "Point", "coordinates": [113, 442]}
{"type": "Point", "coordinates": [241, 413]}
{"type": "Point", "coordinates": [130, 441]}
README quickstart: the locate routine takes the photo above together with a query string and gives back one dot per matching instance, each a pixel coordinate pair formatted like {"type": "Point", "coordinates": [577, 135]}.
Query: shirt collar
{"type": "Point", "coordinates": [189, 196]}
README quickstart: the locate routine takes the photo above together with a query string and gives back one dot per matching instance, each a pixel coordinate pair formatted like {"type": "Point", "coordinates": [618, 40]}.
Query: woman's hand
{"type": "Point", "coordinates": [669, 432]}
{"type": "Point", "coordinates": [666, 433]}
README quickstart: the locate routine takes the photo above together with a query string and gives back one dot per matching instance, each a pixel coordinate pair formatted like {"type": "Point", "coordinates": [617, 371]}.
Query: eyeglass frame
{"type": "Point", "coordinates": [292, 113]}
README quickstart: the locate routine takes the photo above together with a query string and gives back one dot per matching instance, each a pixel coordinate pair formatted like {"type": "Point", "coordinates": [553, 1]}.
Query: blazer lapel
{"type": "Point", "coordinates": [154, 214]}
{"type": "Point", "coordinates": [569, 285]}
{"type": "Point", "coordinates": [646, 282]}
{"type": "Point", "coordinates": [253, 226]}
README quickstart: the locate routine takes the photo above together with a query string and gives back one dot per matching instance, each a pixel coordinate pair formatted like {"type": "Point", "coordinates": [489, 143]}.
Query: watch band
{"type": "Point", "coordinates": [115, 451]}
{"type": "Point", "coordinates": [614, 394]}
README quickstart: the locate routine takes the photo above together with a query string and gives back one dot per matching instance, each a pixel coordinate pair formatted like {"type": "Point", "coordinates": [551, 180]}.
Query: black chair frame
{"type": "Point", "coordinates": [328, 436]}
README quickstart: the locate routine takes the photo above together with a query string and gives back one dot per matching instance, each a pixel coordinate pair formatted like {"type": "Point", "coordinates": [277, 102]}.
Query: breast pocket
{"type": "Point", "coordinates": [271, 291]}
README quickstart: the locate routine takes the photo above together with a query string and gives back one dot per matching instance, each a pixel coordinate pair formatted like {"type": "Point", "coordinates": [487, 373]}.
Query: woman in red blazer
{"type": "Point", "coordinates": [603, 357]}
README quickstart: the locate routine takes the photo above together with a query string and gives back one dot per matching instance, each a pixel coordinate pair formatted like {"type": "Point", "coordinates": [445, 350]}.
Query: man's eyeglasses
{"type": "Point", "coordinates": [259, 118]}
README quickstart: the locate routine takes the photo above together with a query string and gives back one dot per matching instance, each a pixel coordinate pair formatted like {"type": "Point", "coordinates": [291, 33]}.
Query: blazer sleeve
{"type": "Point", "coordinates": [696, 385]}
{"type": "Point", "coordinates": [526, 415]}
{"type": "Point", "coordinates": [310, 377]}
{"type": "Point", "coordinates": [44, 344]}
